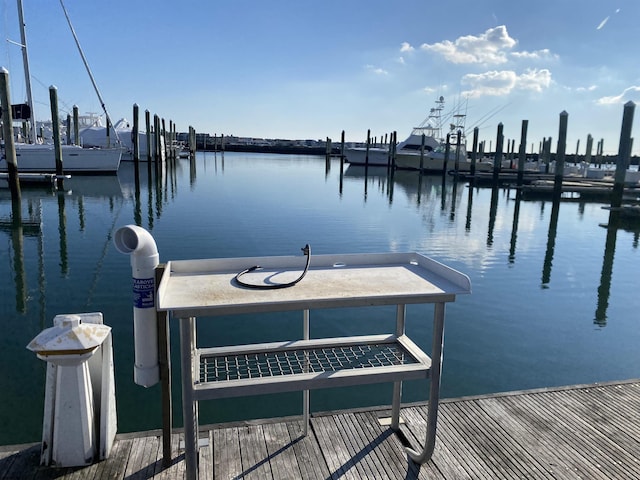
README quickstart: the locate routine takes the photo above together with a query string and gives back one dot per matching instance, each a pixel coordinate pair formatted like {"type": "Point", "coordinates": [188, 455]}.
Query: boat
{"type": "Point", "coordinates": [120, 135]}
{"type": "Point", "coordinates": [40, 157]}
{"type": "Point", "coordinates": [410, 154]}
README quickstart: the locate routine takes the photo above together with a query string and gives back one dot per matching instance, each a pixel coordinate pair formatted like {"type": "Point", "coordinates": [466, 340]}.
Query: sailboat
{"type": "Point", "coordinates": [34, 157]}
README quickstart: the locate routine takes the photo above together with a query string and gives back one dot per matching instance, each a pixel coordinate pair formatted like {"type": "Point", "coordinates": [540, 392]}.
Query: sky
{"type": "Point", "coordinates": [298, 69]}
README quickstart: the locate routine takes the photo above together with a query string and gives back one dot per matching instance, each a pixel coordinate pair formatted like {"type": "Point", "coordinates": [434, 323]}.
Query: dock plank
{"type": "Point", "coordinates": [205, 453]}
{"type": "Point", "coordinates": [546, 454]}
{"type": "Point", "coordinates": [310, 458]}
{"type": "Point", "coordinates": [391, 452]}
{"type": "Point", "coordinates": [578, 432]}
{"type": "Point", "coordinates": [333, 448]}
{"type": "Point", "coordinates": [580, 423]}
{"type": "Point", "coordinates": [176, 467]}
{"type": "Point", "coordinates": [253, 451]}
{"type": "Point", "coordinates": [445, 455]}
{"type": "Point", "coordinates": [226, 453]}
{"type": "Point", "coordinates": [282, 458]}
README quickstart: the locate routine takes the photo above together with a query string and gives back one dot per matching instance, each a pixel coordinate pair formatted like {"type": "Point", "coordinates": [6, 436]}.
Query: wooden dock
{"type": "Point", "coordinates": [584, 431]}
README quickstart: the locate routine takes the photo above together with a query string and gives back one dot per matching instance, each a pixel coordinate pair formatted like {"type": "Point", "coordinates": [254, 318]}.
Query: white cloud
{"type": "Point", "coordinates": [590, 88]}
{"type": "Point", "coordinates": [500, 83]}
{"type": "Point", "coordinates": [406, 47]}
{"type": "Point", "coordinates": [535, 80]}
{"type": "Point", "coordinates": [489, 83]}
{"type": "Point", "coordinates": [544, 54]}
{"type": "Point", "coordinates": [630, 93]}
{"type": "Point", "coordinates": [377, 70]}
{"type": "Point", "coordinates": [490, 47]}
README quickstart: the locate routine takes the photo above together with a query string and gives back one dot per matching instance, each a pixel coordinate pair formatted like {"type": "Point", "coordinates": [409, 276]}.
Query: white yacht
{"type": "Point", "coordinates": [410, 154]}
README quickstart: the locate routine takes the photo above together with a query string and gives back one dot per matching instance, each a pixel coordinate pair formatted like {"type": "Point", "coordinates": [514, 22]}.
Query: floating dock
{"type": "Point", "coordinates": [583, 431]}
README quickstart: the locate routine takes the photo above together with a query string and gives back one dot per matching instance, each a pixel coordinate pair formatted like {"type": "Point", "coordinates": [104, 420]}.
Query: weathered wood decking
{"type": "Point", "coordinates": [588, 431]}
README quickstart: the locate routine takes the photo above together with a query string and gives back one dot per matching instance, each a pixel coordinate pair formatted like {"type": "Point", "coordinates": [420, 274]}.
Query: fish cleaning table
{"type": "Point", "coordinates": [208, 288]}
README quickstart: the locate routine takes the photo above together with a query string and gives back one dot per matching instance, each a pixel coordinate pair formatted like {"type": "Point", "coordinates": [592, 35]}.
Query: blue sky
{"type": "Point", "coordinates": [302, 69]}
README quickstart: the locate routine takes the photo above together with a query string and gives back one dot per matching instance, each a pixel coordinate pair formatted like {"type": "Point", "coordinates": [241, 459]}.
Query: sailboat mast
{"type": "Point", "coordinates": [27, 74]}
{"type": "Point", "coordinates": [86, 65]}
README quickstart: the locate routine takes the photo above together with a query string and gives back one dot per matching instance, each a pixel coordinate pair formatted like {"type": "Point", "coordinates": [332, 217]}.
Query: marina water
{"type": "Point", "coordinates": [555, 294]}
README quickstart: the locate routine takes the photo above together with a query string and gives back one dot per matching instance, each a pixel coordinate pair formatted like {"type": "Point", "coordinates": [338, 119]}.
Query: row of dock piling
{"type": "Point", "coordinates": [160, 142]}
{"type": "Point", "coordinates": [517, 174]}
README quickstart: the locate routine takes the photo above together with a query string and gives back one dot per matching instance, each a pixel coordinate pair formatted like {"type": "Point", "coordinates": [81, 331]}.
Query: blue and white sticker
{"type": "Point", "coordinates": [143, 292]}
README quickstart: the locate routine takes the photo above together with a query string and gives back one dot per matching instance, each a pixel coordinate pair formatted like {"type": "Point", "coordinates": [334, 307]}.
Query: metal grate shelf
{"type": "Point", "coordinates": [307, 364]}
{"type": "Point", "coordinates": [310, 360]}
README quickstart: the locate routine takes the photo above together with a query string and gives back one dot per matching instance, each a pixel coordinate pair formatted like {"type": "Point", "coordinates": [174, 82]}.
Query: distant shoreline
{"type": "Point", "coordinates": [282, 149]}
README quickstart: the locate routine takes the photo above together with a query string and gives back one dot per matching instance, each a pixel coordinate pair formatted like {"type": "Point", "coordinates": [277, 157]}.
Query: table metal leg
{"type": "Point", "coordinates": [434, 387]}
{"type": "Point", "coordinates": [305, 393]}
{"type": "Point", "coordinates": [397, 386]}
{"type": "Point", "coordinates": [189, 404]}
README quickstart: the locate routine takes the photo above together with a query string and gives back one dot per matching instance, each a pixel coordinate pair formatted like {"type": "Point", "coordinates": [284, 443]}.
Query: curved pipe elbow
{"type": "Point", "coordinates": [135, 240]}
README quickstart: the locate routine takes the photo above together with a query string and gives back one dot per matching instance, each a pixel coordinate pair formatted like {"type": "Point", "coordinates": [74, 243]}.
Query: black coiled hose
{"type": "Point", "coordinates": [306, 250]}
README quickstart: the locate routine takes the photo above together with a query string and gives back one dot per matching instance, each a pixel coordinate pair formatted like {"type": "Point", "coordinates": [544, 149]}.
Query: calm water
{"type": "Point", "coordinates": [555, 295]}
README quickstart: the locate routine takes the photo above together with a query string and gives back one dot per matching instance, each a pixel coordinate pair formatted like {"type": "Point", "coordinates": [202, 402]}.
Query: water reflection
{"type": "Point", "coordinates": [27, 221]}
{"type": "Point", "coordinates": [551, 242]}
{"type": "Point", "coordinates": [493, 211]}
{"type": "Point", "coordinates": [514, 227]}
{"type": "Point", "coordinates": [418, 186]}
{"type": "Point", "coordinates": [604, 289]}
{"type": "Point", "coordinates": [467, 224]}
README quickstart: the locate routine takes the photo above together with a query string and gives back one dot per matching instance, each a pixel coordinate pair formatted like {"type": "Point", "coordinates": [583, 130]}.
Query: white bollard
{"type": "Point", "coordinates": [73, 347]}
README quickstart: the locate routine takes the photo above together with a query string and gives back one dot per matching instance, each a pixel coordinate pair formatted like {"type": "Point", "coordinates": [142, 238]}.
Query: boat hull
{"type": "Point", "coordinates": [374, 157]}
{"type": "Point", "coordinates": [77, 160]}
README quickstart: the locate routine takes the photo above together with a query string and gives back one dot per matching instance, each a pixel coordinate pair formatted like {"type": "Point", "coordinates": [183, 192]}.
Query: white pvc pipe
{"type": "Point", "coordinates": [138, 242]}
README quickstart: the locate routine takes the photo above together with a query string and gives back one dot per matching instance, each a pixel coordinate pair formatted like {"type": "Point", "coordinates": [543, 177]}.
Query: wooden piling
{"type": "Point", "coordinates": [163, 134]}
{"type": "Point", "coordinates": [560, 152]}
{"type": "Point", "coordinates": [546, 154]}
{"type": "Point", "coordinates": [342, 149]}
{"type": "Point", "coordinates": [55, 124]}
{"type": "Point", "coordinates": [172, 146]}
{"type": "Point", "coordinates": [156, 138]}
{"type": "Point", "coordinates": [497, 159]}
{"type": "Point", "coordinates": [599, 151]}
{"type": "Point", "coordinates": [457, 161]}
{"type": "Point", "coordinates": [366, 153]}
{"type": "Point", "coordinates": [164, 361]}
{"type": "Point", "coordinates": [193, 141]}
{"type": "Point", "coordinates": [134, 133]}
{"type": "Point", "coordinates": [623, 154]}
{"type": "Point", "coordinates": [108, 130]}
{"type": "Point", "coordinates": [422, 153]}
{"type": "Point", "coordinates": [587, 153]}
{"type": "Point", "coordinates": [394, 151]}
{"type": "Point", "coordinates": [147, 119]}
{"type": "Point", "coordinates": [76, 127]}
{"type": "Point", "coordinates": [474, 155]}
{"type": "Point", "coordinates": [9, 145]}
{"type": "Point", "coordinates": [446, 154]}
{"type": "Point", "coordinates": [68, 139]}
{"type": "Point", "coordinates": [522, 154]}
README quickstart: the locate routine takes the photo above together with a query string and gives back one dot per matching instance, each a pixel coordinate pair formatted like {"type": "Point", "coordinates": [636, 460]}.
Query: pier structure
{"type": "Point", "coordinates": [583, 431]}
